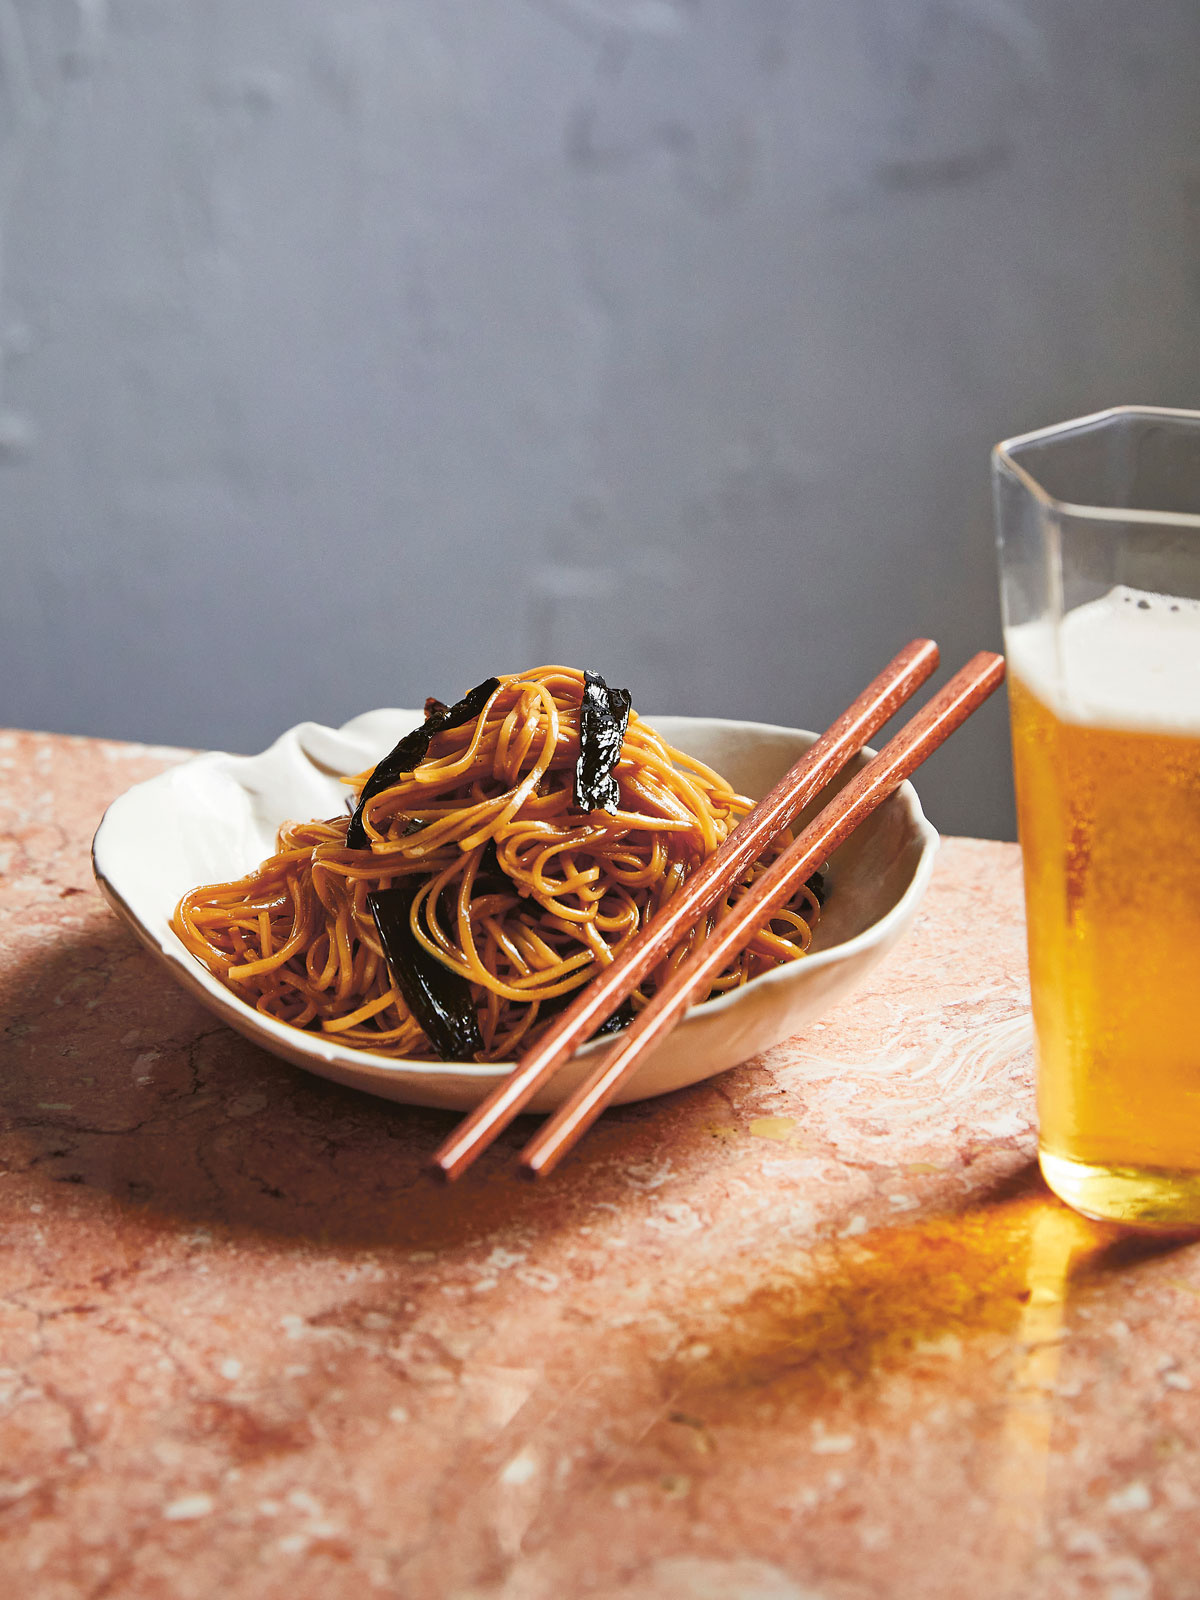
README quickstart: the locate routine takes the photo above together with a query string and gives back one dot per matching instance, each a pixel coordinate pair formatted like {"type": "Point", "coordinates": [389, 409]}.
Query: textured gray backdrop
{"type": "Point", "coordinates": [352, 351]}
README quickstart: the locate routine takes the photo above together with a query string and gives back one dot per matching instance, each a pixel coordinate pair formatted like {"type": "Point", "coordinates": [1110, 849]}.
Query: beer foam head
{"type": "Point", "coordinates": [1128, 660]}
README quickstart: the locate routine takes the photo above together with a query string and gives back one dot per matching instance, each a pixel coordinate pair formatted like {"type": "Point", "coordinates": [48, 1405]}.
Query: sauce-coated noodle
{"type": "Point", "coordinates": [519, 892]}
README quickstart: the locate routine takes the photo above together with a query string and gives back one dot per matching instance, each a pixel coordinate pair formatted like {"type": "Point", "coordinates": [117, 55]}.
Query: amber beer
{"type": "Point", "coordinates": [1106, 748]}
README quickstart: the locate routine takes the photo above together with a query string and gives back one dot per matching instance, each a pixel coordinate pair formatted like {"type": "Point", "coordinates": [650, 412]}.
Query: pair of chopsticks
{"type": "Point", "coordinates": [842, 740]}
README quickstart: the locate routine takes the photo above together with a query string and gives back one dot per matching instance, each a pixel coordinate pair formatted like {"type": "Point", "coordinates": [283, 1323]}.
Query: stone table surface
{"type": "Point", "coordinates": [813, 1330]}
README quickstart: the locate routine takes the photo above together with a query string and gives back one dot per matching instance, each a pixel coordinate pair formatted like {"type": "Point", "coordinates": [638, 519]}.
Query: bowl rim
{"type": "Point", "coordinates": [297, 1041]}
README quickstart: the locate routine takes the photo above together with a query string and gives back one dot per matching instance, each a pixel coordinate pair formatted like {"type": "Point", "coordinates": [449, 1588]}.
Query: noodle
{"type": "Point", "coordinates": [515, 889]}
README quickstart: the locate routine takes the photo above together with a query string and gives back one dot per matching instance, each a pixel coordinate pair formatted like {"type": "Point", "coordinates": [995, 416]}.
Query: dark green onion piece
{"type": "Point", "coordinates": [438, 998]}
{"type": "Point", "coordinates": [618, 1019]}
{"type": "Point", "coordinates": [411, 751]}
{"type": "Point", "coordinates": [603, 719]}
{"type": "Point", "coordinates": [490, 876]}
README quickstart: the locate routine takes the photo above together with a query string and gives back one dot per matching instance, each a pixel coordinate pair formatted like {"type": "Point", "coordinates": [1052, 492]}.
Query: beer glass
{"type": "Point", "coordinates": [1098, 525]}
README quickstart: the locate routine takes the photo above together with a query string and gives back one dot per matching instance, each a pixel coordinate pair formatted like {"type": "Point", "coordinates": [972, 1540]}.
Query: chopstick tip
{"type": "Point", "coordinates": [535, 1166]}
{"type": "Point", "coordinates": [449, 1162]}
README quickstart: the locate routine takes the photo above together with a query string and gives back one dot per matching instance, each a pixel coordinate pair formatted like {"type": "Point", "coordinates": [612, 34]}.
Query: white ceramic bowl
{"type": "Point", "coordinates": [215, 817]}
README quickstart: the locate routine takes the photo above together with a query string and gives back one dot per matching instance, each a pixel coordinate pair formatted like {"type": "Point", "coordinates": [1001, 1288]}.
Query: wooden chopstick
{"type": "Point", "coordinates": [879, 701]}
{"type": "Point", "coordinates": [918, 738]}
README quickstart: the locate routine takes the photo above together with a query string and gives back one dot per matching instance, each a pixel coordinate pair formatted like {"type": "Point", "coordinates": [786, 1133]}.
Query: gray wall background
{"type": "Point", "coordinates": [355, 349]}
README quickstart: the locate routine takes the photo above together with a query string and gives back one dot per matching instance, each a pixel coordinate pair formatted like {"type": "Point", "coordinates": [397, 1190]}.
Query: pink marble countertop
{"type": "Point", "coordinates": [811, 1331]}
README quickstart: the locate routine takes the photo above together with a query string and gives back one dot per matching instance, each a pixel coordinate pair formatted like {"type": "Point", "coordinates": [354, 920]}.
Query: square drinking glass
{"type": "Point", "coordinates": [1098, 526]}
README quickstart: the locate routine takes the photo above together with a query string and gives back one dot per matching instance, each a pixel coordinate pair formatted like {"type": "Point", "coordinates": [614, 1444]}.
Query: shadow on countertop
{"type": "Point", "coordinates": [115, 1079]}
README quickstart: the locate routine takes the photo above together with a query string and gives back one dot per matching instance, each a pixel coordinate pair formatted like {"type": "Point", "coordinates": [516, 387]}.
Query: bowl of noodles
{"type": "Point", "coordinates": [400, 903]}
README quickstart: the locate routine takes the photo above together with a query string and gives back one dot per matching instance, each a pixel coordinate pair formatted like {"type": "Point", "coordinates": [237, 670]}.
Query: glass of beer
{"type": "Point", "coordinates": [1098, 524]}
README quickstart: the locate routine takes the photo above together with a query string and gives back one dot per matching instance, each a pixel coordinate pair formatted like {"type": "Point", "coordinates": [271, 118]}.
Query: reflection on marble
{"type": "Point", "coordinates": [811, 1331]}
